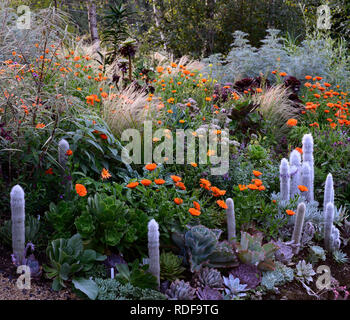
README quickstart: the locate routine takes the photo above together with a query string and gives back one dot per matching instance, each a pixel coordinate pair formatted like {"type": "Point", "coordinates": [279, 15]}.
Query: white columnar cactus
{"type": "Point", "coordinates": [308, 157]}
{"type": "Point", "coordinates": [231, 220]}
{"type": "Point", "coordinates": [295, 172]}
{"type": "Point", "coordinates": [298, 227]}
{"type": "Point", "coordinates": [63, 147]}
{"type": "Point", "coordinates": [331, 233]}
{"type": "Point", "coordinates": [306, 181]}
{"type": "Point", "coordinates": [284, 180]}
{"type": "Point", "coordinates": [328, 192]}
{"type": "Point", "coordinates": [153, 249]}
{"type": "Point", "coordinates": [18, 223]}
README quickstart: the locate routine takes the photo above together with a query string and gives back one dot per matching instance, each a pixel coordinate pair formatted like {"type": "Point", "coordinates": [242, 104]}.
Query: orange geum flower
{"type": "Point", "coordinates": [222, 204]}
{"type": "Point", "coordinates": [178, 201]}
{"type": "Point", "coordinates": [105, 174]}
{"type": "Point", "coordinates": [151, 166]}
{"type": "Point", "coordinates": [146, 182]}
{"type": "Point", "coordinates": [176, 178]}
{"type": "Point", "coordinates": [81, 190]}
{"type": "Point", "coordinates": [290, 212]}
{"type": "Point", "coordinates": [194, 212]}
{"type": "Point", "coordinates": [159, 181]}
{"type": "Point", "coordinates": [132, 185]}
{"type": "Point", "coordinates": [303, 188]}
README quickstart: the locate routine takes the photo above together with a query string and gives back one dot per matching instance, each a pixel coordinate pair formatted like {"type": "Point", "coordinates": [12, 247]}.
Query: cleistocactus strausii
{"type": "Point", "coordinates": [298, 227]}
{"type": "Point", "coordinates": [328, 192]}
{"type": "Point", "coordinates": [295, 172]}
{"type": "Point", "coordinates": [306, 180]}
{"type": "Point", "coordinates": [231, 220]}
{"type": "Point", "coordinates": [18, 223]}
{"type": "Point", "coordinates": [308, 157]}
{"type": "Point", "coordinates": [331, 233]}
{"type": "Point", "coordinates": [153, 249]}
{"type": "Point", "coordinates": [63, 147]}
{"type": "Point", "coordinates": [284, 180]}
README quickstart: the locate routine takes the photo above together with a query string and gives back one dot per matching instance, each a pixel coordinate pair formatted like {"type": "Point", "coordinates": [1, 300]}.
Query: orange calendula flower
{"type": "Point", "coordinates": [160, 69]}
{"type": "Point", "coordinates": [180, 185]}
{"type": "Point", "coordinates": [193, 164]}
{"type": "Point", "coordinates": [132, 185]}
{"type": "Point", "coordinates": [176, 178]}
{"type": "Point", "coordinates": [105, 174]}
{"type": "Point", "coordinates": [103, 136]}
{"type": "Point", "coordinates": [303, 188]}
{"type": "Point", "coordinates": [252, 187]}
{"type": "Point", "coordinates": [159, 181]}
{"type": "Point", "coordinates": [40, 126]}
{"type": "Point", "coordinates": [299, 150]}
{"type": "Point", "coordinates": [292, 122]}
{"type": "Point", "coordinates": [283, 74]}
{"type": "Point", "coordinates": [194, 212]}
{"type": "Point", "coordinates": [242, 187]}
{"type": "Point", "coordinates": [151, 166]}
{"type": "Point", "coordinates": [222, 204]}
{"type": "Point", "coordinates": [196, 205]}
{"type": "Point", "coordinates": [257, 182]}
{"type": "Point", "coordinates": [290, 212]}
{"type": "Point", "coordinates": [81, 190]}
{"type": "Point", "coordinates": [205, 184]}
{"type": "Point", "coordinates": [49, 171]}
{"type": "Point", "coordinates": [261, 188]}
{"type": "Point", "coordinates": [257, 173]}
{"type": "Point", "coordinates": [146, 182]}
{"type": "Point", "coordinates": [178, 201]}
{"type": "Point", "coordinates": [69, 152]}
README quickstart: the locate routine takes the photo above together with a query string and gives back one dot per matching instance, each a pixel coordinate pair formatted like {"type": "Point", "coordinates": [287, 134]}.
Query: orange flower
{"type": "Point", "coordinates": [196, 205]}
{"type": "Point", "coordinates": [160, 69]}
{"type": "Point", "coordinates": [290, 212]}
{"type": "Point", "coordinates": [292, 122]}
{"type": "Point", "coordinates": [146, 182]}
{"type": "Point", "coordinates": [103, 136]}
{"type": "Point", "coordinates": [257, 173]}
{"type": "Point", "coordinates": [299, 150]}
{"type": "Point", "coordinates": [262, 188]}
{"type": "Point", "coordinates": [49, 171]}
{"type": "Point", "coordinates": [105, 174]}
{"type": "Point", "coordinates": [217, 192]}
{"type": "Point", "coordinates": [81, 190]}
{"type": "Point", "coordinates": [69, 152]}
{"type": "Point", "coordinates": [222, 204]}
{"type": "Point", "coordinates": [252, 187]}
{"type": "Point", "coordinates": [283, 74]}
{"type": "Point", "coordinates": [159, 181]}
{"type": "Point", "coordinates": [257, 182]}
{"type": "Point", "coordinates": [133, 185]}
{"type": "Point", "coordinates": [242, 187]}
{"type": "Point", "coordinates": [180, 185]}
{"type": "Point", "coordinates": [274, 201]}
{"type": "Point", "coordinates": [205, 184]}
{"type": "Point", "coordinates": [308, 77]}
{"type": "Point", "coordinates": [151, 166]}
{"type": "Point", "coordinates": [176, 178]}
{"type": "Point", "coordinates": [178, 201]}
{"type": "Point", "coordinates": [194, 212]}
{"type": "Point", "coordinates": [193, 164]}
{"type": "Point", "coordinates": [303, 188]}
{"type": "Point", "coordinates": [40, 126]}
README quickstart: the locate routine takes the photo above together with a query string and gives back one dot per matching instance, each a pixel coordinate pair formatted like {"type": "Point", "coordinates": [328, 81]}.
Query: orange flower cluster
{"type": "Point", "coordinates": [256, 184]}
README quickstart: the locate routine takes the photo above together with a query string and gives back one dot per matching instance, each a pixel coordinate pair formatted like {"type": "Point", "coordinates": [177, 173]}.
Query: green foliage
{"type": "Point", "coordinates": [112, 289]}
{"type": "Point", "coordinates": [281, 275]}
{"type": "Point", "coordinates": [68, 261]}
{"type": "Point", "coordinates": [170, 266]}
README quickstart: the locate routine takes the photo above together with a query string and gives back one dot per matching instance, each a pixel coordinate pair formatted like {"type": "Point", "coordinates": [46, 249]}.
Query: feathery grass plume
{"type": "Point", "coordinates": [276, 108]}
{"type": "Point", "coordinates": [306, 181]}
{"type": "Point", "coordinates": [295, 172]}
{"type": "Point", "coordinates": [153, 249]}
{"type": "Point", "coordinates": [331, 233]}
{"type": "Point", "coordinates": [190, 64]}
{"type": "Point", "coordinates": [127, 110]}
{"type": "Point", "coordinates": [308, 157]}
{"type": "Point", "coordinates": [298, 227]}
{"type": "Point", "coordinates": [284, 180]}
{"type": "Point", "coordinates": [231, 220]}
{"type": "Point", "coordinates": [328, 191]}
{"type": "Point", "coordinates": [18, 223]}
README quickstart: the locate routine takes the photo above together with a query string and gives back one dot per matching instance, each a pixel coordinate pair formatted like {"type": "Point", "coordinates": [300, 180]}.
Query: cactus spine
{"type": "Point", "coordinates": [298, 227]}
{"type": "Point", "coordinates": [18, 223]}
{"type": "Point", "coordinates": [306, 181]}
{"type": "Point", "coordinates": [328, 192]}
{"type": "Point", "coordinates": [295, 170]}
{"type": "Point", "coordinates": [153, 249]}
{"type": "Point", "coordinates": [331, 233]}
{"type": "Point", "coordinates": [284, 180]}
{"type": "Point", "coordinates": [308, 157]}
{"type": "Point", "coordinates": [231, 220]}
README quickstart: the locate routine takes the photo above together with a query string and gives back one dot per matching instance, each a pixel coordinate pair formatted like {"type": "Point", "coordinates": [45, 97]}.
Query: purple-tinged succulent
{"type": "Point", "coordinates": [114, 259]}
{"type": "Point", "coordinates": [247, 274]}
{"type": "Point", "coordinates": [208, 293]}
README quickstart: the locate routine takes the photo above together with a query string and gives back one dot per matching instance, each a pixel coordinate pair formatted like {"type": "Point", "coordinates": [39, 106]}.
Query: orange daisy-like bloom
{"type": "Point", "coordinates": [257, 182]}
{"type": "Point", "coordinates": [105, 174]}
{"type": "Point", "coordinates": [257, 173]}
{"type": "Point", "coordinates": [132, 185]}
{"type": "Point", "coordinates": [176, 178]}
{"type": "Point", "coordinates": [180, 185]}
{"type": "Point", "coordinates": [261, 188]}
{"type": "Point", "coordinates": [81, 190]}
{"type": "Point", "coordinates": [193, 164]}
{"type": "Point", "coordinates": [283, 74]}
{"type": "Point", "coordinates": [160, 69]}
{"type": "Point", "coordinates": [178, 201]}
{"type": "Point", "coordinates": [299, 150]}
{"type": "Point", "coordinates": [49, 171]}
{"type": "Point", "coordinates": [194, 212]}
{"type": "Point", "coordinates": [159, 181]}
{"type": "Point", "coordinates": [151, 166]}
{"type": "Point", "coordinates": [252, 187]}
{"type": "Point", "coordinates": [290, 212]}
{"type": "Point", "coordinates": [222, 204]}
{"type": "Point", "coordinates": [292, 122]}
{"type": "Point", "coordinates": [303, 188]}
{"type": "Point", "coordinates": [40, 126]}
{"type": "Point", "coordinates": [196, 205]}
{"type": "Point", "coordinates": [217, 192]}
{"type": "Point", "coordinates": [146, 182]}
{"type": "Point", "coordinates": [242, 187]}
{"type": "Point", "coordinates": [205, 184]}
{"type": "Point", "coordinates": [69, 152]}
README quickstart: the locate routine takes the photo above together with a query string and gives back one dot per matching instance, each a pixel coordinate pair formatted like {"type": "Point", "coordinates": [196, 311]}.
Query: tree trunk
{"type": "Point", "coordinates": [157, 19]}
{"type": "Point", "coordinates": [91, 6]}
